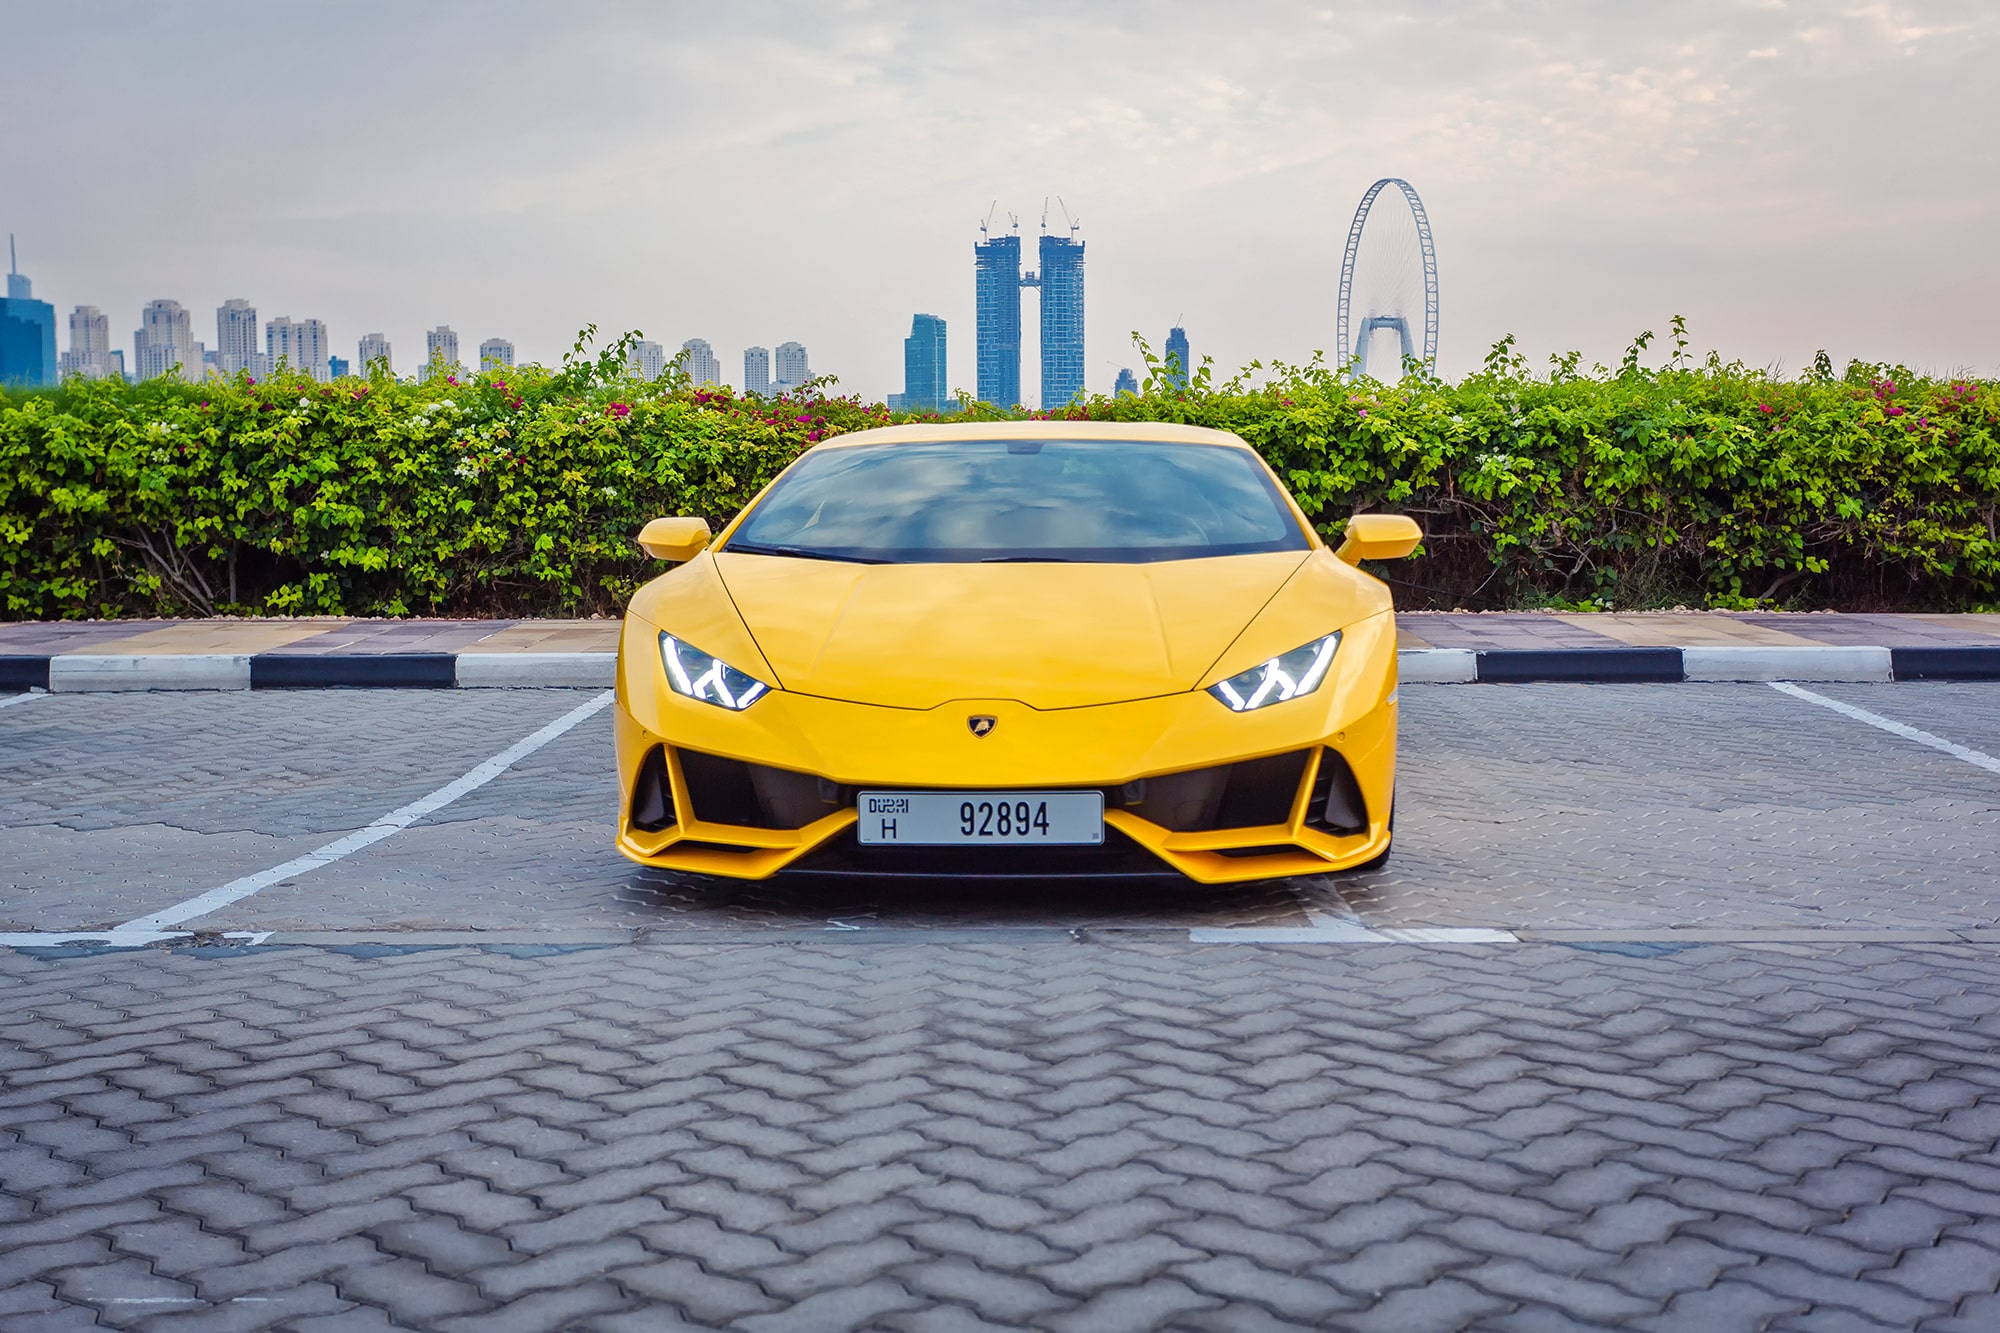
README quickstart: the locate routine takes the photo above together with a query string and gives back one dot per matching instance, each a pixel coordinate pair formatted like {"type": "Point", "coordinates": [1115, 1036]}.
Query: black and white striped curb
{"type": "Point", "coordinates": [1803, 662]}
{"type": "Point", "coordinates": [81, 672]}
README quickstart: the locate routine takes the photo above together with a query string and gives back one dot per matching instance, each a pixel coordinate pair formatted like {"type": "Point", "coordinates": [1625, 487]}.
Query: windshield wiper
{"type": "Point", "coordinates": [1027, 560]}
{"type": "Point", "coordinates": [798, 553]}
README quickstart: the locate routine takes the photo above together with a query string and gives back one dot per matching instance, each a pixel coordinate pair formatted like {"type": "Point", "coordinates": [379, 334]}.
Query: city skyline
{"type": "Point", "coordinates": [164, 343]}
{"type": "Point", "coordinates": [1591, 171]}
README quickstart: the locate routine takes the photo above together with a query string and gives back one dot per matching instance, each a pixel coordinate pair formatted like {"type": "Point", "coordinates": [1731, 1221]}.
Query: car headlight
{"type": "Point", "coordinates": [701, 676]}
{"type": "Point", "coordinates": [1286, 676]}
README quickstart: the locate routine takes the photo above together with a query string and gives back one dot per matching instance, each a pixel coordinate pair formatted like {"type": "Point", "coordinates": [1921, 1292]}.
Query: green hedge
{"type": "Point", "coordinates": [518, 492]}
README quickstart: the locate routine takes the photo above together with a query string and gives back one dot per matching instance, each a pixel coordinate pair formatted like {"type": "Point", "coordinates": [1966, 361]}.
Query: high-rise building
{"type": "Point", "coordinates": [496, 354]}
{"type": "Point", "coordinates": [236, 339]}
{"type": "Point", "coordinates": [441, 352]}
{"type": "Point", "coordinates": [1062, 320]}
{"type": "Point", "coordinates": [757, 371]}
{"type": "Point", "coordinates": [648, 360]}
{"type": "Point", "coordinates": [164, 343]}
{"type": "Point", "coordinates": [924, 386]}
{"type": "Point", "coordinates": [790, 370]}
{"type": "Point", "coordinates": [27, 332]}
{"type": "Point", "coordinates": [1127, 383]}
{"type": "Point", "coordinates": [337, 367]}
{"type": "Point", "coordinates": [996, 274]}
{"type": "Point", "coordinates": [1177, 362]}
{"type": "Point", "coordinates": [89, 353]}
{"type": "Point", "coordinates": [302, 344]}
{"type": "Point", "coordinates": [373, 347]}
{"type": "Point", "coordinates": [701, 365]}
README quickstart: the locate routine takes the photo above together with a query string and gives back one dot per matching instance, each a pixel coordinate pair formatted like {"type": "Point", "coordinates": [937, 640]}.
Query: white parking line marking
{"type": "Point", "coordinates": [27, 698]}
{"type": "Point", "coordinates": [1977, 758]}
{"type": "Point", "coordinates": [387, 826]}
{"type": "Point", "coordinates": [1337, 922]}
{"type": "Point", "coordinates": [1341, 932]}
{"type": "Point", "coordinates": [117, 939]}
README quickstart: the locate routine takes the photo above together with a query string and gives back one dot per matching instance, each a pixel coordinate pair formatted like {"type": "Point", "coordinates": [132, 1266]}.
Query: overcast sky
{"type": "Point", "coordinates": [1789, 176]}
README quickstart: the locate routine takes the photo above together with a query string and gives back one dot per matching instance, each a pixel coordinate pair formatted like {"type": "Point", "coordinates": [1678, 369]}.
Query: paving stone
{"type": "Point", "coordinates": [1008, 1299]}
{"type": "Point", "coordinates": [541, 1310]}
{"type": "Point", "coordinates": [1160, 1303]}
{"type": "Point", "coordinates": [851, 1307]}
{"type": "Point", "coordinates": [567, 1266]}
{"type": "Point", "coordinates": [410, 1292]}
{"type": "Point", "coordinates": [1226, 1136]}
{"type": "Point", "coordinates": [712, 1299]}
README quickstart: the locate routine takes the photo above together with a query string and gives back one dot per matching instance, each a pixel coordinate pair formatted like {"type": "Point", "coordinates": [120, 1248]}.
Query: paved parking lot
{"type": "Point", "coordinates": [1734, 1071]}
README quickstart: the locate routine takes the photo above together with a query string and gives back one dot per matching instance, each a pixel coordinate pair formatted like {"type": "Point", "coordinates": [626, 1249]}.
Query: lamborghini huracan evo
{"type": "Point", "coordinates": [1046, 648]}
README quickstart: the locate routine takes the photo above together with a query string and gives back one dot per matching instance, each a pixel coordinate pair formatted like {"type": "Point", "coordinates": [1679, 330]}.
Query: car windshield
{"type": "Point", "coordinates": [961, 501]}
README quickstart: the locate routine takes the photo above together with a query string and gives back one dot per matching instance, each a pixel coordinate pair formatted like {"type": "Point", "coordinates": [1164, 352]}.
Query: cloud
{"type": "Point", "coordinates": [1788, 176]}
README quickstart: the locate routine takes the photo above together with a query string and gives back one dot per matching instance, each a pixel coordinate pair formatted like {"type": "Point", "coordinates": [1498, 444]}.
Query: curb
{"type": "Point", "coordinates": [96, 673]}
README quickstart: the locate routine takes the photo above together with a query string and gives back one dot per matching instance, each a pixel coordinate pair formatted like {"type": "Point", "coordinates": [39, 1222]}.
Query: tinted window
{"type": "Point", "coordinates": [1111, 501]}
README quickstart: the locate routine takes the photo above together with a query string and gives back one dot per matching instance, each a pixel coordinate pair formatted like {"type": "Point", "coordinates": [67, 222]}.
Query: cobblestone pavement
{"type": "Point", "coordinates": [855, 1108]}
{"type": "Point", "coordinates": [952, 1136]}
{"type": "Point", "coordinates": [1527, 806]}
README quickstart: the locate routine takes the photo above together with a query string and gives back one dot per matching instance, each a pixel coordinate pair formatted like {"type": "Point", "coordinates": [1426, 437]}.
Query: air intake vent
{"type": "Point", "coordinates": [1336, 805]}
{"type": "Point", "coordinates": [652, 794]}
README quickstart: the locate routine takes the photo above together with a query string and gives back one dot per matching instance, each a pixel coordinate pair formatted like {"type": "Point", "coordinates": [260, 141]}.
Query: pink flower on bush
{"type": "Point", "coordinates": [621, 410]}
{"type": "Point", "coordinates": [1764, 407]}
{"type": "Point", "coordinates": [1895, 411]}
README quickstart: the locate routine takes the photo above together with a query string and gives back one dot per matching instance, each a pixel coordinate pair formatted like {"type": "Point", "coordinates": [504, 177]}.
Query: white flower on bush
{"type": "Point", "coordinates": [610, 492]}
{"type": "Point", "coordinates": [466, 469]}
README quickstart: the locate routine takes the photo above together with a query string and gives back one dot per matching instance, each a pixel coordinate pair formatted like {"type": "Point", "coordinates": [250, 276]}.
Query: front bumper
{"type": "Point", "coordinates": [771, 789]}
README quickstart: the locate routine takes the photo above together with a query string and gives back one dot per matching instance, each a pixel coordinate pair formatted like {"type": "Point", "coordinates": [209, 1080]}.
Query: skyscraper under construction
{"type": "Point", "coordinates": [998, 281]}
{"type": "Point", "coordinates": [1062, 320]}
{"type": "Point", "coordinates": [996, 272]}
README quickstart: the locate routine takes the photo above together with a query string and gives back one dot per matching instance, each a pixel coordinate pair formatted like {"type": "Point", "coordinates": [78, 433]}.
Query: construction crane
{"type": "Point", "coordinates": [1074, 223]}
{"type": "Point", "coordinates": [989, 218]}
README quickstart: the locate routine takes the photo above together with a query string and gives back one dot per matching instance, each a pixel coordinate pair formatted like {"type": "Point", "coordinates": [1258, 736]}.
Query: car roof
{"type": "Point", "coordinates": [1159, 432]}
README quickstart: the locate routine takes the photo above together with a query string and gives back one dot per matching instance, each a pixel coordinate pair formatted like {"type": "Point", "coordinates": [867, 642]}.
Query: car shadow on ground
{"type": "Point", "coordinates": [813, 902]}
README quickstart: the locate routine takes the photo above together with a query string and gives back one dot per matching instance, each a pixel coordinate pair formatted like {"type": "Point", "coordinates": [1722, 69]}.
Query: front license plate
{"type": "Point", "coordinates": [985, 818]}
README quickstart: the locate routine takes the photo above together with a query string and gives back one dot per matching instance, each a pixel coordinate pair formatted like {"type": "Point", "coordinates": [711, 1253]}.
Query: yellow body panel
{"type": "Point", "coordinates": [915, 636]}
{"type": "Point", "coordinates": [1096, 675]}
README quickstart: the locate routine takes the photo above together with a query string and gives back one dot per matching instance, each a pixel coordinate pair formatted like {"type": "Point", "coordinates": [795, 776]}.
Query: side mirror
{"type": "Point", "coordinates": [1379, 537]}
{"type": "Point", "coordinates": [675, 539]}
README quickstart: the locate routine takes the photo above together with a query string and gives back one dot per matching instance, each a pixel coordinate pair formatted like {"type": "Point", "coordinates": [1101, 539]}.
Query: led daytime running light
{"type": "Point", "coordinates": [703, 676]}
{"type": "Point", "coordinates": [1286, 676]}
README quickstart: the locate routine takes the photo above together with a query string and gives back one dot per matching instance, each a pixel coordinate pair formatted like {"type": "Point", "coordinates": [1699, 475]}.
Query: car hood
{"type": "Point", "coordinates": [1047, 635]}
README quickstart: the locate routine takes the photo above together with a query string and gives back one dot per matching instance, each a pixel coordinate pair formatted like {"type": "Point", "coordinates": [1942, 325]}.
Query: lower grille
{"type": "Point", "coordinates": [1118, 858]}
{"type": "Point", "coordinates": [1251, 794]}
{"type": "Point", "coordinates": [729, 791]}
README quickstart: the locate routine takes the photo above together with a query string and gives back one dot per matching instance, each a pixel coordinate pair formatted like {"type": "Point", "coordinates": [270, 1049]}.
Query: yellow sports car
{"type": "Point", "coordinates": [1047, 648]}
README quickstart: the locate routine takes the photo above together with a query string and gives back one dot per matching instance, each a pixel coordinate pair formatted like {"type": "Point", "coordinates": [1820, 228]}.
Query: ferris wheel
{"type": "Point", "coordinates": [1388, 281]}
